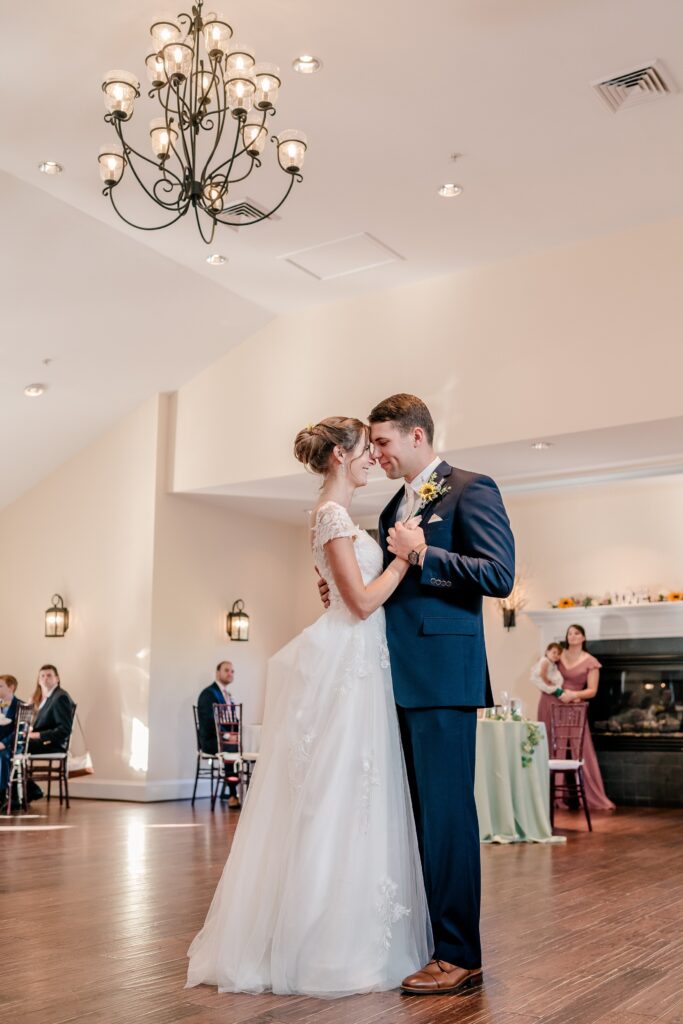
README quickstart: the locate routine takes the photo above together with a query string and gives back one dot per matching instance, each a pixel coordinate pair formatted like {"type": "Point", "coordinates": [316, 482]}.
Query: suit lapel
{"type": "Point", "coordinates": [219, 693]}
{"type": "Point", "coordinates": [388, 516]}
{"type": "Point", "coordinates": [443, 471]}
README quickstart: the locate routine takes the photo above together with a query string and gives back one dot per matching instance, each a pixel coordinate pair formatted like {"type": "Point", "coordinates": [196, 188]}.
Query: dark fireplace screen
{"type": "Point", "coordinates": [641, 689]}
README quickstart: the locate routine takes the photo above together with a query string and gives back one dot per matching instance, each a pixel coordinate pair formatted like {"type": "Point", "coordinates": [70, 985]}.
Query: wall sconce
{"type": "Point", "coordinates": [237, 622]}
{"type": "Point", "coordinates": [56, 617]}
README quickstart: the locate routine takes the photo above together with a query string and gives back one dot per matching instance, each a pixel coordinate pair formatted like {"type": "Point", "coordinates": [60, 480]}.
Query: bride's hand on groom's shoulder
{"type": "Point", "coordinates": [323, 589]}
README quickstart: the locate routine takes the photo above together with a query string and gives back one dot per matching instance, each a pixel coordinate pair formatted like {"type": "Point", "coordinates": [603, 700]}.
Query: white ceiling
{"type": "Point", "coordinates": [507, 85]}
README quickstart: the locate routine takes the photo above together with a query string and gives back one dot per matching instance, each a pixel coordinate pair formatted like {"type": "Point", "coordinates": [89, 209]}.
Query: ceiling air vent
{"type": "Point", "coordinates": [246, 211]}
{"type": "Point", "coordinates": [637, 86]}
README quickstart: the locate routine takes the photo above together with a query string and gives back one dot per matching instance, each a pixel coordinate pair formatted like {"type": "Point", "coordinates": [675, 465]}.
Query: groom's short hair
{"type": "Point", "coordinates": [406, 411]}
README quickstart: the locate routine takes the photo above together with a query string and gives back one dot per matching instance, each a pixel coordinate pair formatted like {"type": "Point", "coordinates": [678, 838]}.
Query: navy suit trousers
{"type": "Point", "coordinates": [439, 749]}
{"type": "Point", "coordinates": [5, 759]}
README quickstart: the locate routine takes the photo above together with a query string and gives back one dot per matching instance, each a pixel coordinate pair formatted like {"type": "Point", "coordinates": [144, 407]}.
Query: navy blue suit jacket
{"type": "Point", "coordinates": [434, 618]}
{"type": "Point", "coordinates": [209, 696]}
{"type": "Point", "coordinates": [7, 731]}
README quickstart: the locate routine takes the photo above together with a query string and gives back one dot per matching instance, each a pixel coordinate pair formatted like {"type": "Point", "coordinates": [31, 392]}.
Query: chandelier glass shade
{"type": "Point", "coordinates": [212, 129]}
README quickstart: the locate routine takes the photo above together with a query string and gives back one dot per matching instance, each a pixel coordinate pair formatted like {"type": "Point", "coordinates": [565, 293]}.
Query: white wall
{"type": "Point", "coordinates": [592, 540]}
{"type": "Point", "coordinates": [486, 349]}
{"type": "Point", "coordinates": [207, 557]}
{"type": "Point", "coordinates": [86, 532]}
{"type": "Point", "coordinates": [148, 578]}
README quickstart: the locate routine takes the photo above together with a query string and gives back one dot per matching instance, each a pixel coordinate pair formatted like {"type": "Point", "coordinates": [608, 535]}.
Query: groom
{"type": "Point", "coordinates": [462, 551]}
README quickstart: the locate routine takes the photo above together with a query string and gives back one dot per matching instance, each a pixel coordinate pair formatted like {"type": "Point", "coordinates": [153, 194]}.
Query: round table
{"type": "Point", "coordinates": [513, 800]}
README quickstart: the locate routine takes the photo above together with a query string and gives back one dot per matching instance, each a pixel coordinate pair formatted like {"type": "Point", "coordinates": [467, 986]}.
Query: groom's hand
{"type": "Point", "coordinates": [323, 589]}
{"type": "Point", "coordinates": [402, 539]}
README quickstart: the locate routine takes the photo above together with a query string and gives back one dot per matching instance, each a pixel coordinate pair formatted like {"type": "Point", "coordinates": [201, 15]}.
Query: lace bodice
{"type": "Point", "coordinates": [332, 521]}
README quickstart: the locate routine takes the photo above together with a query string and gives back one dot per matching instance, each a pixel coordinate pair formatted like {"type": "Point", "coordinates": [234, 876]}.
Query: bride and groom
{"type": "Point", "coordinates": [355, 866]}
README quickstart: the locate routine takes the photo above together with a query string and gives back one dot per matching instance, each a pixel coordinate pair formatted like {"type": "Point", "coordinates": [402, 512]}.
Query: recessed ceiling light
{"type": "Point", "coordinates": [306, 64]}
{"type": "Point", "coordinates": [50, 167]}
{"type": "Point", "coordinates": [541, 445]}
{"type": "Point", "coordinates": [34, 390]}
{"type": "Point", "coordinates": [449, 190]}
{"type": "Point", "coordinates": [216, 260]}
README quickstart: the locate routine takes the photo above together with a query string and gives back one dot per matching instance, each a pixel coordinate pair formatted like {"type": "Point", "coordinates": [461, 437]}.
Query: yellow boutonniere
{"type": "Point", "coordinates": [430, 490]}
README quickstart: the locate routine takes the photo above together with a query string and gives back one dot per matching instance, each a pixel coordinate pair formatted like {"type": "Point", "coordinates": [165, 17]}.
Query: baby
{"type": "Point", "coordinates": [545, 673]}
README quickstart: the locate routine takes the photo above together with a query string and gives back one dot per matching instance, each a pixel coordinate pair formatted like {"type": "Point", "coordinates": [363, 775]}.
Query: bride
{"type": "Point", "coordinates": [322, 893]}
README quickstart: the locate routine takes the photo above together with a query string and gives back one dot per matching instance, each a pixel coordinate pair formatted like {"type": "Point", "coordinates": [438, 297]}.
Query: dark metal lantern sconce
{"type": "Point", "coordinates": [237, 622]}
{"type": "Point", "coordinates": [56, 617]}
{"type": "Point", "coordinates": [509, 618]}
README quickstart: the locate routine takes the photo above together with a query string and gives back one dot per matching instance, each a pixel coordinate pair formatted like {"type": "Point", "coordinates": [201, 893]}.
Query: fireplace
{"type": "Point", "coordinates": [636, 720]}
{"type": "Point", "coordinates": [640, 701]}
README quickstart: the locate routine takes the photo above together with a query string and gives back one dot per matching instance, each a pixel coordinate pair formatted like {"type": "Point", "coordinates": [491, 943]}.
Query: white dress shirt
{"type": "Point", "coordinates": [226, 693]}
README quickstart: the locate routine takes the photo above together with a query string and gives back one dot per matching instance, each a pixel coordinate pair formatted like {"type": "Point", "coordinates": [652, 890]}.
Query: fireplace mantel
{"type": "Point", "coordinates": [612, 621]}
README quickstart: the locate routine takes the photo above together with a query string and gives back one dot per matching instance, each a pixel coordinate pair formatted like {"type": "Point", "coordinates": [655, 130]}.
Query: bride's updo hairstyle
{"type": "Point", "coordinates": [315, 443]}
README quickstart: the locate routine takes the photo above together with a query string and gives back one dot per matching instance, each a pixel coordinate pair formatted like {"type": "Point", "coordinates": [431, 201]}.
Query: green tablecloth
{"type": "Point", "coordinates": [513, 801]}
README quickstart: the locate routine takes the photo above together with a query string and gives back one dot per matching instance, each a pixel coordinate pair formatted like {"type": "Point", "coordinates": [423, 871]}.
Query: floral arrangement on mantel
{"type": "Point", "coordinates": [622, 598]}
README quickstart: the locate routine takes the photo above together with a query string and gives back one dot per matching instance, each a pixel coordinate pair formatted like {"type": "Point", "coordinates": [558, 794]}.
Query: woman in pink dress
{"type": "Point", "coordinates": [581, 674]}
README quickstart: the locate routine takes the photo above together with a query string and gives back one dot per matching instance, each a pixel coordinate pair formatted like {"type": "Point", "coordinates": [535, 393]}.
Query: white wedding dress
{"type": "Point", "coordinates": [322, 893]}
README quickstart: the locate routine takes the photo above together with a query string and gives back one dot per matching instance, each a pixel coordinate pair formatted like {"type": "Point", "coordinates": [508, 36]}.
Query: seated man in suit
{"type": "Point", "coordinates": [216, 693]}
{"type": "Point", "coordinates": [54, 718]}
{"type": "Point", "coordinates": [8, 712]}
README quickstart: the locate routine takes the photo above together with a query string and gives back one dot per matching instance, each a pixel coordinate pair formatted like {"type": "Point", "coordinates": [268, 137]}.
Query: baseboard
{"type": "Point", "coordinates": [92, 788]}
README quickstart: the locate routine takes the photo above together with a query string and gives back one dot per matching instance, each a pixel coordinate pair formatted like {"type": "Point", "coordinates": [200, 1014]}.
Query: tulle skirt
{"type": "Point", "coordinates": [322, 893]}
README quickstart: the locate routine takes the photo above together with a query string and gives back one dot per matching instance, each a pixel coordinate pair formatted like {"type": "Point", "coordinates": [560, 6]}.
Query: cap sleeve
{"type": "Point", "coordinates": [333, 521]}
{"type": "Point", "coordinates": [593, 662]}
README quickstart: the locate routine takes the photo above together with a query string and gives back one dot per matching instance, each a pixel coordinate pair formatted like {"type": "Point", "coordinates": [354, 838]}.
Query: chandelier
{"type": "Point", "coordinates": [215, 102]}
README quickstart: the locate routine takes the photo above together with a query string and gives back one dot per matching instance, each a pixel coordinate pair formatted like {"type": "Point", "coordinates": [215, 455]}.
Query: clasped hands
{"type": "Point", "coordinates": [405, 537]}
{"type": "Point", "coordinates": [401, 540]}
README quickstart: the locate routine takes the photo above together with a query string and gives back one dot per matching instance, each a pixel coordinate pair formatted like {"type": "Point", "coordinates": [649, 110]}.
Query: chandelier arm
{"type": "Point", "coordinates": [166, 103]}
{"type": "Point", "coordinates": [231, 159]}
{"type": "Point", "coordinates": [189, 18]}
{"type": "Point", "coordinates": [181, 131]}
{"type": "Point", "coordinates": [255, 161]}
{"type": "Point", "coordinates": [152, 194]}
{"type": "Point", "coordinates": [128, 149]}
{"type": "Point", "coordinates": [220, 125]}
{"type": "Point", "coordinates": [256, 220]}
{"type": "Point", "coordinates": [191, 87]}
{"type": "Point", "coordinates": [140, 227]}
{"type": "Point", "coordinates": [208, 240]}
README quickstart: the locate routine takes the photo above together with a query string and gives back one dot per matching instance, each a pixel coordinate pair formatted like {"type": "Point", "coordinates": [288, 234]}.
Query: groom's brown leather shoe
{"type": "Point", "coordinates": [440, 978]}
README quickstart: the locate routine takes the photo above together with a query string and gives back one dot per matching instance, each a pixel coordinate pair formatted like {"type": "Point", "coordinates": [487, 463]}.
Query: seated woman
{"type": "Point", "coordinates": [580, 672]}
{"type": "Point", "coordinates": [54, 716]}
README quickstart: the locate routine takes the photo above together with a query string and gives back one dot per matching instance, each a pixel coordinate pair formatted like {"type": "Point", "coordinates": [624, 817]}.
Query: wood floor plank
{"type": "Point", "coordinates": [97, 919]}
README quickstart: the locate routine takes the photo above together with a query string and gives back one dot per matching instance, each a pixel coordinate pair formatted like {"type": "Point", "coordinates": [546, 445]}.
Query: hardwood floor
{"type": "Point", "coordinates": [97, 917]}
